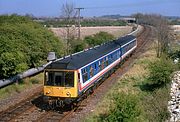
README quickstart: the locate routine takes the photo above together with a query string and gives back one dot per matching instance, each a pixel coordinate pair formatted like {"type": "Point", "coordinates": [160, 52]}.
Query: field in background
{"type": "Point", "coordinates": [117, 31]}
{"type": "Point", "coordinates": [176, 28]}
{"type": "Point", "coordinates": [176, 43]}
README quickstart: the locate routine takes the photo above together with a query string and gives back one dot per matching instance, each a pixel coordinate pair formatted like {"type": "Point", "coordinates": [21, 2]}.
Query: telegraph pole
{"type": "Point", "coordinates": [79, 17]}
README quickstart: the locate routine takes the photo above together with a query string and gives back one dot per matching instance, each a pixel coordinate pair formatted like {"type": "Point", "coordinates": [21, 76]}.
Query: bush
{"type": "Point", "coordinates": [126, 109]}
{"type": "Point", "coordinates": [160, 71]}
{"type": "Point", "coordinates": [77, 45]}
{"type": "Point", "coordinates": [98, 38]}
{"type": "Point", "coordinates": [175, 55]}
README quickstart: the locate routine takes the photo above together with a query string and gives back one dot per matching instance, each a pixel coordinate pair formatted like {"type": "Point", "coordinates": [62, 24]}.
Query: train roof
{"type": "Point", "coordinates": [76, 61]}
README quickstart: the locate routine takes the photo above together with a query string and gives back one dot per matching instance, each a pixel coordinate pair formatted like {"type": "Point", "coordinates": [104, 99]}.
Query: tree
{"type": "Point", "coordinates": [24, 44]}
{"type": "Point", "coordinates": [68, 14]}
{"type": "Point", "coordinates": [163, 35]}
{"type": "Point", "coordinates": [160, 71]}
{"type": "Point", "coordinates": [162, 30]}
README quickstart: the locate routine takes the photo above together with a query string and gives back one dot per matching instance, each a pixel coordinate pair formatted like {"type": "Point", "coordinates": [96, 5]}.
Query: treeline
{"type": "Point", "coordinates": [175, 22]}
{"type": "Point", "coordinates": [84, 23]}
{"type": "Point", "coordinates": [163, 33]}
{"type": "Point", "coordinates": [24, 44]}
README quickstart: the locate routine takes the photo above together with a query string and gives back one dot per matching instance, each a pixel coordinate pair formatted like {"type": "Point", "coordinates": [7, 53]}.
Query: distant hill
{"type": "Point", "coordinates": [117, 16]}
{"type": "Point", "coordinates": [173, 17]}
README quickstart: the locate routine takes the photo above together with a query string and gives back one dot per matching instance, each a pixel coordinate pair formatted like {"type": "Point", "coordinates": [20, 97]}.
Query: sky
{"type": "Point", "coordinates": [52, 8]}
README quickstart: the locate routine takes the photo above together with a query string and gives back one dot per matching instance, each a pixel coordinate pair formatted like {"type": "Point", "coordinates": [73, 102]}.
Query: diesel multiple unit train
{"type": "Point", "coordinates": [68, 79]}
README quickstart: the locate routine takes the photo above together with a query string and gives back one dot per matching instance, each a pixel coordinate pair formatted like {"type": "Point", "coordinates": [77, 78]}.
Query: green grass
{"type": "Point", "coordinates": [14, 88]}
{"type": "Point", "coordinates": [152, 105]}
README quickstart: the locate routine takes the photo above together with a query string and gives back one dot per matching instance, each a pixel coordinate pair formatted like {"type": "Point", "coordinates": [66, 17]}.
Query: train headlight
{"type": "Point", "coordinates": [68, 94]}
{"type": "Point", "coordinates": [48, 92]}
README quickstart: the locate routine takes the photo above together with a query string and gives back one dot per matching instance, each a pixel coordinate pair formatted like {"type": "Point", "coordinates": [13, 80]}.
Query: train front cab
{"type": "Point", "coordinates": [60, 84]}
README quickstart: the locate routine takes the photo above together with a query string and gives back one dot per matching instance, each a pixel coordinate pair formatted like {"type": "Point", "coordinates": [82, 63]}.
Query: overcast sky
{"type": "Point", "coordinates": [52, 8]}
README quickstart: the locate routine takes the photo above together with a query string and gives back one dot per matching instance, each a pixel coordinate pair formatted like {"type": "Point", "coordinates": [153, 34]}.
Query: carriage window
{"type": "Point", "coordinates": [95, 66]}
{"type": "Point", "coordinates": [99, 66]}
{"type": "Point", "coordinates": [123, 50]}
{"type": "Point", "coordinates": [91, 71]}
{"type": "Point", "coordinates": [102, 64]}
{"type": "Point", "coordinates": [119, 53]}
{"type": "Point", "coordinates": [84, 75]}
{"type": "Point", "coordinates": [109, 59]}
{"type": "Point", "coordinates": [106, 62]}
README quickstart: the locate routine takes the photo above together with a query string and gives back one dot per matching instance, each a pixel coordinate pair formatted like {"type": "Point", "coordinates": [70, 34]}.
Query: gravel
{"type": "Point", "coordinates": [19, 97]}
{"type": "Point", "coordinates": [174, 102]}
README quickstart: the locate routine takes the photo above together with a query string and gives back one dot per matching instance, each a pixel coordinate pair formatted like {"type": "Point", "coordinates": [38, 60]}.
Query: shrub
{"type": "Point", "coordinates": [175, 55]}
{"type": "Point", "coordinates": [126, 108]}
{"type": "Point", "coordinates": [77, 45]}
{"type": "Point", "coordinates": [98, 38]}
{"type": "Point", "coordinates": [160, 71]}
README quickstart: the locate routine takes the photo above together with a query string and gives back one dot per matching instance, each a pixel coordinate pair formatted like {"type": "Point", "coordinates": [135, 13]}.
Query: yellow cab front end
{"type": "Point", "coordinates": [61, 84]}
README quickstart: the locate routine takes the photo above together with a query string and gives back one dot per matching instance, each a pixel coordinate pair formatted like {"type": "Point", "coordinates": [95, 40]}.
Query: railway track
{"type": "Point", "coordinates": [33, 109]}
